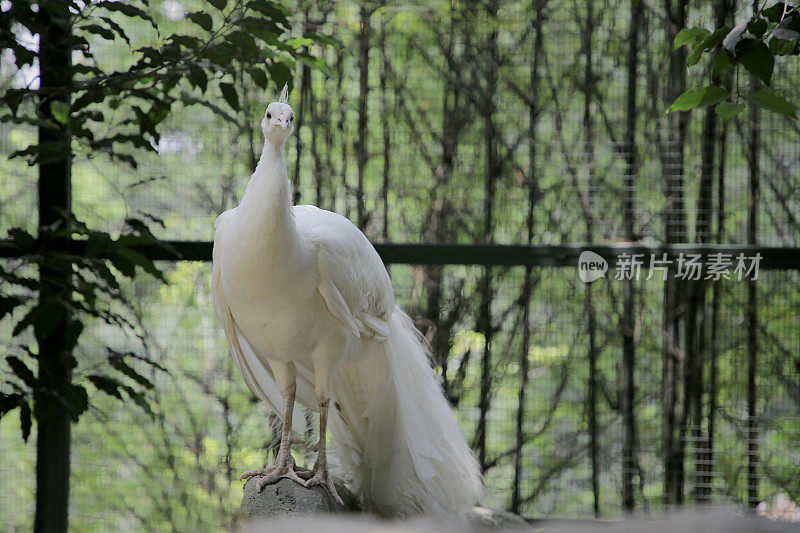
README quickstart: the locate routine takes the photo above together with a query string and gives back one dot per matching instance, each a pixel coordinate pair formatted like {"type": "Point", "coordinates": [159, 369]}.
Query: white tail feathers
{"type": "Point", "coordinates": [396, 434]}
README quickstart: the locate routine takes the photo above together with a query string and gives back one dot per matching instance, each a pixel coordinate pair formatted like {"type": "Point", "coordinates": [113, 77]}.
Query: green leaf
{"type": "Point", "coordinates": [271, 10]}
{"type": "Point", "coordinates": [781, 47]}
{"type": "Point", "coordinates": [107, 385]}
{"type": "Point", "coordinates": [126, 9]}
{"type": "Point", "coordinates": [116, 27]}
{"type": "Point", "coordinates": [280, 74]}
{"type": "Point", "coordinates": [299, 42]}
{"type": "Point", "coordinates": [9, 402]}
{"type": "Point", "coordinates": [229, 93]}
{"type": "Point", "coordinates": [219, 4]}
{"type": "Point", "coordinates": [759, 61]}
{"type": "Point", "coordinates": [789, 28]}
{"type": "Point", "coordinates": [773, 102]}
{"type": "Point", "coordinates": [60, 111]}
{"type": "Point", "coordinates": [722, 64]}
{"type": "Point", "coordinates": [709, 42]}
{"type": "Point", "coordinates": [689, 36]}
{"type": "Point", "coordinates": [327, 39]}
{"type": "Point", "coordinates": [186, 41]}
{"type": "Point", "coordinates": [21, 370]}
{"type": "Point", "coordinates": [96, 29]}
{"type": "Point", "coordinates": [203, 20]}
{"type": "Point", "coordinates": [259, 77]}
{"type": "Point", "coordinates": [129, 371]}
{"type": "Point", "coordinates": [13, 98]}
{"type": "Point", "coordinates": [244, 41]}
{"type": "Point", "coordinates": [145, 360]}
{"type": "Point", "coordinates": [139, 399]}
{"type": "Point", "coordinates": [7, 304]}
{"type": "Point", "coordinates": [130, 258]}
{"type": "Point", "coordinates": [71, 333]}
{"type": "Point", "coordinates": [700, 97]}
{"type": "Point", "coordinates": [76, 400]}
{"type": "Point", "coordinates": [316, 62]}
{"type": "Point", "coordinates": [44, 318]}
{"type": "Point", "coordinates": [774, 13]}
{"type": "Point", "coordinates": [728, 110]}
{"type": "Point", "coordinates": [25, 421]}
{"type": "Point", "coordinates": [757, 27]}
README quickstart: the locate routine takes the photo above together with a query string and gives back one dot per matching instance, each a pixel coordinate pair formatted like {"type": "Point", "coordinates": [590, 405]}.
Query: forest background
{"type": "Point", "coordinates": [447, 122]}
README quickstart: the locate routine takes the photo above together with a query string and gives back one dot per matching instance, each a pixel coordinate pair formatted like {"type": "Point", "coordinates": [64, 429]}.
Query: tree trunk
{"type": "Point", "coordinates": [440, 224]}
{"type": "Point", "coordinates": [752, 302]}
{"type": "Point", "coordinates": [527, 287]}
{"type": "Point", "coordinates": [492, 173]}
{"type": "Point", "coordinates": [697, 352]}
{"type": "Point", "coordinates": [696, 312]}
{"type": "Point", "coordinates": [52, 419]}
{"type": "Point", "coordinates": [673, 167]}
{"type": "Point", "coordinates": [713, 350]}
{"type": "Point", "coordinates": [314, 124]}
{"type": "Point", "coordinates": [387, 140]}
{"type": "Point", "coordinates": [591, 400]}
{"type": "Point", "coordinates": [342, 127]}
{"type": "Point", "coordinates": [628, 393]}
{"type": "Point", "coordinates": [300, 111]}
{"type": "Point", "coordinates": [361, 135]}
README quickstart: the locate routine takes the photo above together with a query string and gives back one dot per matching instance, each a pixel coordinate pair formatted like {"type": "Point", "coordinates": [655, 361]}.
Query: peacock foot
{"type": "Point", "coordinates": [281, 469]}
{"type": "Point", "coordinates": [321, 476]}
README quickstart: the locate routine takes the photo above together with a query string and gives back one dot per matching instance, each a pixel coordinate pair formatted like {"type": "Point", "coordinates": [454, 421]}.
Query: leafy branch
{"type": "Point", "coordinates": [229, 41]}
{"type": "Point", "coordinates": [96, 292]}
{"type": "Point", "coordinates": [753, 44]}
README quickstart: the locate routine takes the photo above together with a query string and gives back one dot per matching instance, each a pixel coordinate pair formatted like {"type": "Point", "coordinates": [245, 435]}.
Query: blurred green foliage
{"type": "Point", "coordinates": [177, 471]}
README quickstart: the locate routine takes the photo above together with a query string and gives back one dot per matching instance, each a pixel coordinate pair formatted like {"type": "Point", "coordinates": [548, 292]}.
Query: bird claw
{"type": "Point", "coordinates": [304, 474]}
{"type": "Point", "coordinates": [324, 478]}
{"type": "Point", "coordinates": [272, 474]}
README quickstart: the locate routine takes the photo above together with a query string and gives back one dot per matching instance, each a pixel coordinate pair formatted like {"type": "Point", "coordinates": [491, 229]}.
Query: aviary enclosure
{"type": "Point", "coordinates": [482, 148]}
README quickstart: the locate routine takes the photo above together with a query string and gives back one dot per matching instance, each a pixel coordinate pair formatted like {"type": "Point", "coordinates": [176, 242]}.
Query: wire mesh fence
{"type": "Point", "coordinates": [492, 123]}
{"type": "Point", "coordinates": [179, 468]}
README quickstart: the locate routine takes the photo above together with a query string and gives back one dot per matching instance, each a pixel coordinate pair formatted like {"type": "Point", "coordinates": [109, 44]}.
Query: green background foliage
{"type": "Point", "coordinates": [439, 77]}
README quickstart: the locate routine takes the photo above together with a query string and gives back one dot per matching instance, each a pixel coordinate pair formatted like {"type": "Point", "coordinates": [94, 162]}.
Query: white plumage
{"type": "Point", "coordinates": [308, 311]}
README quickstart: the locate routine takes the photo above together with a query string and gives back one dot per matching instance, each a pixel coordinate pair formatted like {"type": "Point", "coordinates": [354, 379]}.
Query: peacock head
{"type": "Point", "coordinates": [278, 122]}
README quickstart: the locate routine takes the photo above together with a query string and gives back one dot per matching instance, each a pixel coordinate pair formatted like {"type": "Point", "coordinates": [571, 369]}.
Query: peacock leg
{"type": "Point", "coordinates": [284, 466]}
{"type": "Point", "coordinates": [321, 475]}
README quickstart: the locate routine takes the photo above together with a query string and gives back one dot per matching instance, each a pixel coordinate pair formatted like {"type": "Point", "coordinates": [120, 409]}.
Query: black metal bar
{"type": "Point", "coordinates": [560, 255]}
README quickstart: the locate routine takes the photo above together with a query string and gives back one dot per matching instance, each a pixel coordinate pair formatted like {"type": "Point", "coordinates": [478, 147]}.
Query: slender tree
{"type": "Point", "coordinates": [53, 436]}
{"type": "Point", "coordinates": [754, 193]}
{"type": "Point", "coordinates": [591, 323]}
{"type": "Point", "coordinates": [492, 173]}
{"type": "Point", "coordinates": [672, 153]}
{"type": "Point", "coordinates": [386, 115]}
{"type": "Point", "coordinates": [364, 43]}
{"type": "Point", "coordinates": [528, 281]}
{"type": "Point", "coordinates": [628, 391]}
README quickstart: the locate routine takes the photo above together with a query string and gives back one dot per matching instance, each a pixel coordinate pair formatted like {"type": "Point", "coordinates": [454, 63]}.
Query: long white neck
{"type": "Point", "coordinates": [266, 206]}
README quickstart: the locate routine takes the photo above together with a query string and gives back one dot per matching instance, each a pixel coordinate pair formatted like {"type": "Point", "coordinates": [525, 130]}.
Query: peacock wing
{"type": "Point", "coordinates": [352, 278]}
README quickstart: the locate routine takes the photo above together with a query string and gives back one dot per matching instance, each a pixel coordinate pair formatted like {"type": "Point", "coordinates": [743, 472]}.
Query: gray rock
{"type": "Point", "coordinates": [498, 519]}
{"type": "Point", "coordinates": [286, 499]}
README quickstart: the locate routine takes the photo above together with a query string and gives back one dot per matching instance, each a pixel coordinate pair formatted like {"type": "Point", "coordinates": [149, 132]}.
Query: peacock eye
{"type": "Point", "coordinates": [269, 116]}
